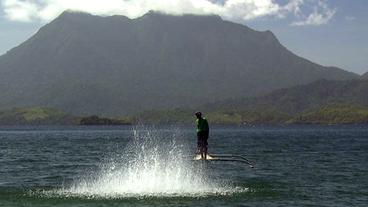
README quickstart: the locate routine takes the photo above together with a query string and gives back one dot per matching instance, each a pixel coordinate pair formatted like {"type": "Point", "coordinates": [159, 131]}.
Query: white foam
{"type": "Point", "coordinates": [153, 164]}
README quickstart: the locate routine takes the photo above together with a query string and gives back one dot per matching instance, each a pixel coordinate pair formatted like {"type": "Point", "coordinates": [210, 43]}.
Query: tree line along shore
{"type": "Point", "coordinates": [330, 114]}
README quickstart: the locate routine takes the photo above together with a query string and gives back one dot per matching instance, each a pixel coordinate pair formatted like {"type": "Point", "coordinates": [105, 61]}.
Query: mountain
{"type": "Point", "coordinates": [85, 64]}
{"type": "Point", "coordinates": [300, 99]}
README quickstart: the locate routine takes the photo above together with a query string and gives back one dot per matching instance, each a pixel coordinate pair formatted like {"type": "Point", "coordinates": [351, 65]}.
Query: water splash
{"type": "Point", "coordinates": [153, 165]}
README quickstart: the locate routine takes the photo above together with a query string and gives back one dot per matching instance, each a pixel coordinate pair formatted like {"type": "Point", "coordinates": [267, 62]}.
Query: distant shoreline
{"type": "Point", "coordinates": [216, 125]}
{"type": "Point", "coordinates": [327, 115]}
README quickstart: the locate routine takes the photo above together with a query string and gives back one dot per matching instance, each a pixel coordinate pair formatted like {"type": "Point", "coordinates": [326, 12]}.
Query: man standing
{"type": "Point", "coordinates": [202, 135]}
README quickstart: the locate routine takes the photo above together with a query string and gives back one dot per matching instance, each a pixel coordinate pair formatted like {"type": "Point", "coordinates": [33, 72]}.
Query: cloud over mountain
{"type": "Point", "coordinates": [233, 10]}
{"type": "Point", "coordinates": [321, 14]}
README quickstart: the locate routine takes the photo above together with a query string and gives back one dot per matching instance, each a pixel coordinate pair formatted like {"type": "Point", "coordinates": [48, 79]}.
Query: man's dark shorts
{"type": "Point", "coordinates": [202, 138]}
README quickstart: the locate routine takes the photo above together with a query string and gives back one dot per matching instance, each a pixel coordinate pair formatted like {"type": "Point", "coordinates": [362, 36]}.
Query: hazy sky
{"type": "Point", "coordinates": [328, 32]}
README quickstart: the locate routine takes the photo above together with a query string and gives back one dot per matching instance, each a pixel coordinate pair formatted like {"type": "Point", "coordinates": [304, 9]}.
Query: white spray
{"type": "Point", "coordinates": [153, 164]}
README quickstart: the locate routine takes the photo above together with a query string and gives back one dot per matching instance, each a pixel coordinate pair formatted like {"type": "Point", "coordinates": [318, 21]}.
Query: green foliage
{"type": "Point", "coordinates": [36, 116]}
{"type": "Point", "coordinates": [330, 114]}
{"type": "Point", "coordinates": [49, 116]}
{"type": "Point", "coordinates": [335, 114]}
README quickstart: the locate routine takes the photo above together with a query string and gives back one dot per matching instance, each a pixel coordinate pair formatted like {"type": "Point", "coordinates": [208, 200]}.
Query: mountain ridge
{"type": "Point", "coordinates": [301, 98]}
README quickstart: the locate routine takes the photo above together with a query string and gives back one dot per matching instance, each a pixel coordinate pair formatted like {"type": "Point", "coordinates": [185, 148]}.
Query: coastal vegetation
{"type": "Point", "coordinates": [335, 114]}
{"type": "Point", "coordinates": [50, 116]}
{"type": "Point", "coordinates": [329, 114]}
{"type": "Point", "coordinates": [95, 120]}
{"type": "Point", "coordinates": [321, 102]}
{"type": "Point", "coordinates": [217, 117]}
{"type": "Point", "coordinates": [36, 116]}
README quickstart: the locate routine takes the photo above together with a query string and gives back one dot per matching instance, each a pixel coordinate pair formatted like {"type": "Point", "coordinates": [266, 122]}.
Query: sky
{"type": "Point", "coordinates": [328, 32]}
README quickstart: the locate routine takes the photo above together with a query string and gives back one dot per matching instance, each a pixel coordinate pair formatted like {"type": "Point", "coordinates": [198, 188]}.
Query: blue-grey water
{"type": "Point", "coordinates": [145, 166]}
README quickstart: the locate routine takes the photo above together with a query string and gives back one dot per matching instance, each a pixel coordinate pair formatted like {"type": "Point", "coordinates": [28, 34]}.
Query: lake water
{"type": "Point", "coordinates": [145, 166]}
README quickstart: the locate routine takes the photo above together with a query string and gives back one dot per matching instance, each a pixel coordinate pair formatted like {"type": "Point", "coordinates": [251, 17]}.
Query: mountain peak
{"type": "Point", "coordinates": [158, 14]}
{"type": "Point", "coordinates": [73, 14]}
{"type": "Point", "coordinates": [152, 14]}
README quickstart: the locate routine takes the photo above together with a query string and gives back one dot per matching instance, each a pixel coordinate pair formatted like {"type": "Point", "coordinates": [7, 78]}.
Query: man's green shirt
{"type": "Point", "coordinates": [202, 125]}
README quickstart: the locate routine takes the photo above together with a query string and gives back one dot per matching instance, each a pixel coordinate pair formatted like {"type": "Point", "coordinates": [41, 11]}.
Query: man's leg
{"type": "Point", "coordinates": [198, 143]}
{"type": "Point", "coordinates": [203, 156]}
{"type": "Point", "coordinates": [205, 151]}
{"type": "Point", "coordinates": [205, 144]}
